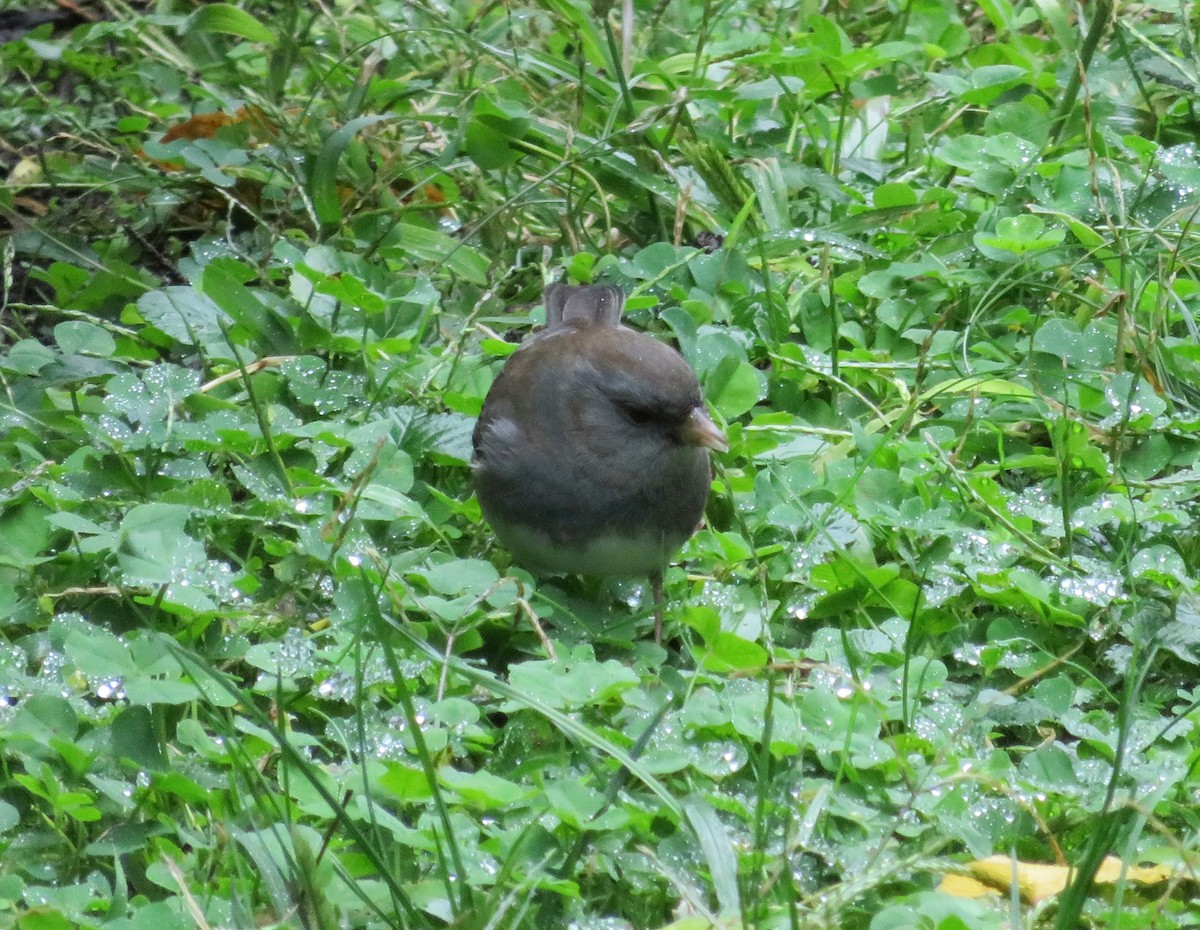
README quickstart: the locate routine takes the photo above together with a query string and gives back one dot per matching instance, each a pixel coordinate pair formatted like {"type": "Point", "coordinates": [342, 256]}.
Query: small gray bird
{"type": "Point", "coordinates": [591, 451]}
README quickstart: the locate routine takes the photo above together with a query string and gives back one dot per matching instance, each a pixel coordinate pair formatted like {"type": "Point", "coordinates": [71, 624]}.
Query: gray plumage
{"type": "Point", "coordinates": [591, 451]}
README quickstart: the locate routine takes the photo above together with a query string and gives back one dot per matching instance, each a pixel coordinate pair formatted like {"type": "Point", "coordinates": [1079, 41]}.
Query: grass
{"type": "Point", "coordinates": [261, 662]}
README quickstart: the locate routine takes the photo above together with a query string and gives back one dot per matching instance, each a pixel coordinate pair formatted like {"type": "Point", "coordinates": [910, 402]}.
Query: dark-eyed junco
{"type": "Point", "coordinates": [591, 451]}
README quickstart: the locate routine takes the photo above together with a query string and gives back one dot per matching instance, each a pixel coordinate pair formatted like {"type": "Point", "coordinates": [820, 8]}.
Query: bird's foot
{"type": "Point", "coordinates": [531, 614]}
{"type": "Point", "coordinates": [656, 591]}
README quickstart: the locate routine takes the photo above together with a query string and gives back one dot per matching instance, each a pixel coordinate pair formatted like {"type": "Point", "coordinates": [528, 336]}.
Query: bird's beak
{"type": "Point", "coordinates": [700, 430]}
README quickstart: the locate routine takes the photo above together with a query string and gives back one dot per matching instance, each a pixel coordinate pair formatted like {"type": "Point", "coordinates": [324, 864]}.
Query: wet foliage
{"type": "Point", "coordinates": [261, 661]}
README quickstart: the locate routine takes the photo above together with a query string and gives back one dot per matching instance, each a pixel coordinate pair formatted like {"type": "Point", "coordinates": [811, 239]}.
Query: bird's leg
{"type": "Point", "coordinates": [526, 608]}
{"type": "Point", "coordinates": [656, 591]}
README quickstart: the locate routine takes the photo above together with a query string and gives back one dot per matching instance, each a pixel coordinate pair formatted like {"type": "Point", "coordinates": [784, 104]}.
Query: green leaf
{"type": "Point", "coordinates": [41, 918]}
{"type": "Point", "coordinates": [729, 652]}
{"type": "Point", "coordinates": [405, 782]}
{"type": "Point", "coordinates": [771, 192]}
{"type": "Point", "coordinates": [492, 136]}
{"type": "Point", "coordinates": [223, 282]}
{"type": "Point", "coordinates": [457, 257]}
{"type": "Point", "coordinates": [28, 357]}
{"type": "Point", "coordinates": [733, 387]}
{"type": "Point", "coordinates": [227, 20]}
{"type": "Point", "coordinates": [147, 691]}
{"type": "Point", "coordinates": [76, 337]}
{"type": "Point", "coordinates": [483, 789]}
{"type": "Point", "coordinates": [45, 716]}
{"type": "Point", "coordinates": [9, 818]}
{"type": "Point", "coordinates": [133, 738]}
{"type": "Point", "coordinates": [582, 25]}
{"type": "Point", "coordinates": [99, 653]}
{"type": "Point", "coordinates": [24, 535]}
{"type": "Point", "coordinates": [323, 171]}
{"type": "Point", "coordinates": [461, 576]}
{"type": "Point", "coordinates": [1016, 236]}
{"type": "Point", "coordinates": [718, 847]}
{"type": "Point", "coordinates": [182, 313]}
{"type": "Point", "coordinates": [994, 387]}
{"type": "Point", "coordinates": [572, 681]}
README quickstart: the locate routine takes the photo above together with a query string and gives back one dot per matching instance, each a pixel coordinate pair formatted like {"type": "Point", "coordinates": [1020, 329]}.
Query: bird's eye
{"type": "Point", "coordinates": [640, 415]}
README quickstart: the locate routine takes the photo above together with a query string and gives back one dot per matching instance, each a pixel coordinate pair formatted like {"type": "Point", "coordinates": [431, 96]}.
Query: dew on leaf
{"type": "Point", "coordinates": [110, 689]}
{"type": "Point", "coordinates": [942, 589]}
{"type": "Point", "coordinates": [1095, 589]}
{"type": "Point", "coordinates": [969, 653]}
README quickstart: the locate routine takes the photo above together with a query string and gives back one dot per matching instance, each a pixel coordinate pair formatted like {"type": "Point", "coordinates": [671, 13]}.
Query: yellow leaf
{"type": "Point", "coordinates": [963, 886]}
{"type": "Point", "coordinates": [25, 172]}
{"type": "Point", "coordinates": [1037, 881]}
